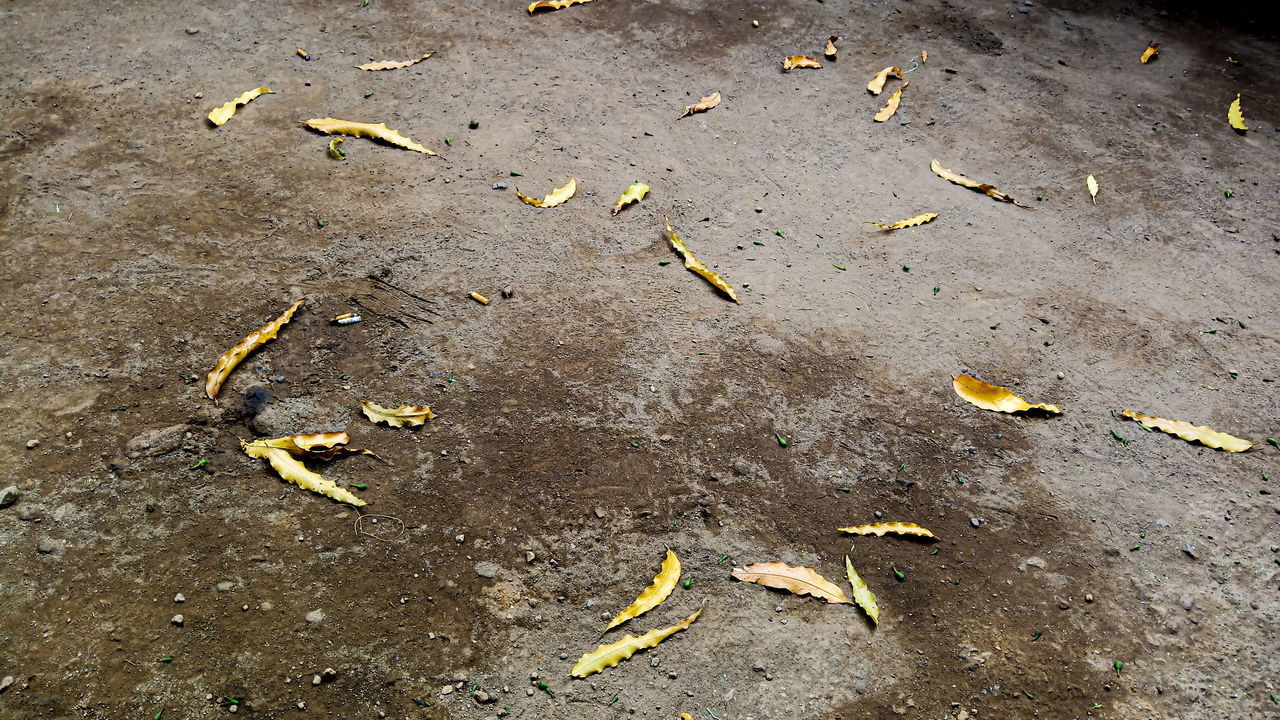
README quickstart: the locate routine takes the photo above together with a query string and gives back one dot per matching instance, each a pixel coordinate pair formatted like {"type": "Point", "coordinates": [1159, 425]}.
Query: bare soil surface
{"type": "Point", "coordinates": [614, 405]}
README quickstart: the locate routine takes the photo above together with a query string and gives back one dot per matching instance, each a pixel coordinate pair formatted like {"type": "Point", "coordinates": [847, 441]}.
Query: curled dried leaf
{"type": "Point", "coordinates": [985, 189]}
{"type": "Point", "coordinates": [830, 50]}
{"type": "Point", "coordinates": [1152, 50]}
{"type": "Point", "coordinates": [391, 65]}
{"type": "Point", "coordinates": [554, 4]}
{"type": "Point", "coordinates": [336, 152]}
{"type": "Point", "coordinates": [251, 342]}
{"type": "Point", "coordinates": [635, 193]}
{"type": "Point", "coordinates": [556, 197]}
{"type": "Point", "coordinates": [920, 219]}
{"type": "Point", "coordinates": [607, 656]}
{"type": "Point", "coordinates": [924, 56]}
{"type": "Point", "coordinates": [376, 131]}
{"type": "Point", "coordinates": [653, 595]}
{"type": "Point", "coordinates": [994, 397]}
{"type": "Point", "coordinates": [295, 472]}
{"type": "Point", "coordinates": [797, 579]}
{"type": "Point", "coordinates": [405, 415]}
{"type": "Point", "coordinates": [223, 113]}
{"type": "Point", "coordinates": [697, 266]}
{"type": "Point", "coordinates": [1235, 116]}
{"type": "Point", "coordinates": [800, 61]}
{"type": "Point", "coordinates": [323, 446]}
{"type": "Point", "coordinates": [897, 528]}
{"type": "Point", "coordinates": [1192, 433]}
{"type": "Point", "coordinates": [1092, 184]}
{"type": "Point", "coordinates": [704, 104]}
{"type": "Point", "coordinates": [861, 593]}
{"type": "Point", "coordinates": [876, 86]}
{"type": "Point", "coordinates": [891, 107]}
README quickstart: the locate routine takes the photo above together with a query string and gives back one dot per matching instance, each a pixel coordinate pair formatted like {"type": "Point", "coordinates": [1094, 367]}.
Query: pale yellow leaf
{"type": "Point", "coordinates": [830, 51]}
{"type": "Point", "coordinates": [223, 113]}
{"type": "Point", "coordinates": [324, 446]}
{"type": "Point", "coordinates": [295, 472]}
{"type": "Point", "coordinates": [797, 579]}
{"type": "Point", "coordinates": [891, 107]}
{"type": "Point", "coordinates": [554, 4]}
{"type": "Point", "coordinates": [705, 103]}
{"type": "Point", "coordinates": [861, 593]}
{"type": "Point", "coordinates": [1235, 116]}
{"type": "Point", "coordinates": [876, 86]}
{"type": "Point", "coordinates": [405, 415]}
{"type": "Point", "coordinates": [391, 65]}
{"type": "Point", "coordinates": [376, 131]}
{"type": "Point", "coordinates": [909, 222]}
{"type": "Point", "coordinates": [251, 342]}
{"type": "Point", "coordinates": [653, 595]}
{"type": "Point", "coordinates": [983, 188]}
{"type": "Point", "coordinates": [697, 266]}
{"type": "Point", "coordinates": [1092, 182]}
{"type": "Point", "coordinates": [1152, 50]}
{"type": "Point", "coordinates": [1194, 433]}
{"type": "Point", "coordinates": [897, 528]}
{"type": "Point", "coordinates": [994, 397]}
{"type": "Point", "coordinates": [556, 197]}
{"type": "Point", "coordinates": [607, 656]}
{"type": "Point", "coordinates": [800, 61]}
{"type": "Point", "coordinates": [635, 193]}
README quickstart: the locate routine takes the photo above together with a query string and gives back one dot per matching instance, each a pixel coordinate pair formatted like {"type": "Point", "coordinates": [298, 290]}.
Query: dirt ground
{"type": "Point", "coordinates": [614, 405]}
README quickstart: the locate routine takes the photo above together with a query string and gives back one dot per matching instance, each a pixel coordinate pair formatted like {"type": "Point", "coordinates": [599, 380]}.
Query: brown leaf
{"type": "Point", "coordinates": [830, 50]}
{"type": "Point", "coordinates": [705, 103]}
{"type": "Point", "coordinates": [798, 579]}
{"type": "Point", "coordinates": [985, 189]}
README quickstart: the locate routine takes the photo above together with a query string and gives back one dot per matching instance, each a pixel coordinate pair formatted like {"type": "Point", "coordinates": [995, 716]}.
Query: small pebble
{"type": "Point", "coordinates": [564, 656]}
{"type": "Point", "coordinates": [759, 209]}
{"type": "Point", "coordinates": [1061, 375]}
{"type": "Point", "coordinates": [499, 186]}
{"type": "Point", "coordinates": [32, 443]}
{"type": "Point", "coordinates": [878, 514]}
{"type": "Point", "coordinates": [1186, 602]}
{"type": "Point", "coordinates": [460, 538]}
{"type": "Point", "coordinates": [446, 689]}
{"type": "Point", "coordinates": [1190, 549]}
{"type": "Point", "coordinates": [975, 521]}
{"type": "Point", "coordinates": [233, 709]}
{"type": "Point", "coordinates": [225, 586]}
{"type": "Point", "coordinates": [47, 546]}
{"type": "Point", "coordinates": [1064, 604]}
{"type": "Point", "coordinates": [267, 606]}
{"type": "Point", "coordinates": [179, 598]}
{"type": "Point", "coordinates": [30, 513]}
{"type": "Point", "coordinates": [192, 31]}
{"type": "Point", "coordinates": [315, 679]}
{"type": "Point", "coordinates": [528, 691]}
{"type": "Point", "coordinates": [9, 496]}
{"type": "Point", "coordinates": [755, 23]}
{"type": "Point", "coordinates": [315, 616]}
{"type": "Point", "coordinates": [199, 95]}
{"type": "Point", "coordinates": [1088, 597]}
{"type": "Point", "coordinates": [529, 556]}
{"type": "Point", "coordinates": [177, 620]}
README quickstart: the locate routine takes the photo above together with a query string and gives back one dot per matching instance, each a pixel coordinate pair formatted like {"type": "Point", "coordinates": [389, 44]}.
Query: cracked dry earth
{"type": "Point", "coordinates": [615, 406]}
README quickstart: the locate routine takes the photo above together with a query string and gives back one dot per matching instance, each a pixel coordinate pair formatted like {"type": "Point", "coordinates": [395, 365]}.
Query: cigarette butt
{"type": "Point", "coordinates": [479, 298]}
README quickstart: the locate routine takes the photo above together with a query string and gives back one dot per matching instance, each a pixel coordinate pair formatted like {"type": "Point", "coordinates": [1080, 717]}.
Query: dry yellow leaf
{"type": "Point", "coordinates": [830, 50]}
{"type": "Point", "coordinates": [920, 219]}
{"type": "Point", "coordinates": [891, 107]}
{"type": "Point", "coordinates": [1193, 433]}
{"type": "Point", "coordinates": [686, 716]}
{"type": "Point", "coordinates": [876, 86]}
{"type": "Point", "coordinates": [391, 65]}
{"type": "Point", "coordinates": [1092, 183]}
{"type": "Point", "coordinates": [410, 415]}
{"type": "Point", "coordinates": [705, 103]}
{"type": "Point", "coordinates": [653, 595]}
{"type": "Point", "coordinates": [798, 579]}
{"type": "Point", "coordinates": [1152, 50]}
{"type": "Point", "coordinates": [554, 4]}
{"type": "Point", "coordinates": [924, 56]}
{"type": "Point", "coordinates": [251, 342]}
{"type": "Point", "coordinates": [985, 189]}
{"type": "Point", "coordinates": [223, 112]}
{"type": "Point", "coordinates": [800, 61]}
{"type": "Point", "coordinates": [879, 529]}
{"type": "Point", "coordinates": [607, 656]}
{"type": "Point", "coordinates": [861, 593]}
{"type": "Point", "coordinates": [295, 472]}
{"type": "Point", "coordinates": [377, 131]}
{"type": "Point", "coordinates": [635, 193]}
{"type": "Point", "coordinates": [479, 298]}
{"type": "Point", "coordinates": [556, 197]}
{"type": "Point", "coordinates": [324, 446]}
{"type": "Point", "coordinates": [696, 265]}
{"type": "Point", "coordinates": [1234, 115]}
{"type": "Point", "coordinates": [994, 397]}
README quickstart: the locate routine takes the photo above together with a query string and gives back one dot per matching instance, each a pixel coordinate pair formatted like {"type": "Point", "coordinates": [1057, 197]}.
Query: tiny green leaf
{"type": "Point", "coordinates": [1119, 664]}
{"type": "Point", "coordinates": [1029, 695]}
{"type": "Point", "coordinates": [844, 490]}
{"type": "Point", "coordinates": [756, 242]}
{"type": "Point", "coordinates": [369, 93]}
{"type": "Point", "coordinates": [781, 440]}
{"type": "Point", "coordinates": [779, 234]}
{"type": "Point", "coordinates": [898, 573]}
{"type": "Point", "coordinates": [937, 289]}
{"type": "Point", "coordinates": [722, 559]}
{"type": "Point", "coordinates": [319, 223]}
{"type": "Point", "coordinates": [473, 124]}
{"type": "Point", "coordinates": [516, 174]}
{"type": "Point", "coordinates": [664, 262]}
{"type": "Point", "coordinates": [1119, 437]}
{"type": "Point", "coordinates": [164, 660]}
{"type": "Point", "coordinates": [1273, 442]}
{"type": "Point", "coordinates": [838, 267]}
{"type": "Point", "coordinates": [646, 132]}
{"type": "Point", "coordinates": [688, 582]}
{"type": "Point", "coordinates": [935, 551]}
{"type": "Point", "coordinates": [1036, 635]}
{"type": "Point", "coordinates": [200, 464]}
{"type": "Point", "coordinates": [635, 444]}
{"type": "Point", "coordinates": [447, 141]}
{"type": "Point", "coordinates": [360, 487]}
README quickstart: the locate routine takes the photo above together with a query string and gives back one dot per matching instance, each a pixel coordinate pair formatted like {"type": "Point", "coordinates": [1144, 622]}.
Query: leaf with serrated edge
{"type": "Point", "coordinates": [251, 342]}
{"type": "Point", "coordinates": [554, 4]}
{"type": "Point", "coordinates": [861, 593]}
{"type": "Point", "coordinates": [556, 197]}
{"type": "Point", "coordinates": [830, 51]}
{"type": "Point", "coordinates": [1202, 434]}
{"type": "Point", "coordinates": [410, 415]}
{"type": "Point", "coordinates": [696, 265]}
{"type": "Point", "coordinates": [797, 579]}
{"type": "Point", "coordinates": [985, 189]}
{"type": "Point", "coordinates": [879, 529]}
{"type": "Point", "coordinates": [607, 656]}
{"type": "Point", "coordinates": [876, 86]}
{"type": "Point", "coordinates": [1092, 183]}
{"type": "Point", "coordinates": [392, 65]}
{"type": "Point", "coordinates": [920, 219]}
{"type": "Point", "coordinates": [324, 446]}
{"type": "Point", "coordinates": [1152, 50]}
{"type": "Point", "coordinates": [891, 106]}
{"type": "Point", "coordinates": [705, 103]}
{"type": "Point", "coordinates": [223, 113]}
{"type": "Point", "coordinates": [295, 472]}
{"type": "Point", "coordinates": [376, 131]}
{"type": "Point", "coordinates": [994, 397]}
{"type": "Point", "coordinates": [653, 595]}
{"type": "Point", "coordinates": [635, 193]}
{"type": "Point", "coordinates": [1235, 116]}
{"type": "Point", "coordinates": [800, 61]}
